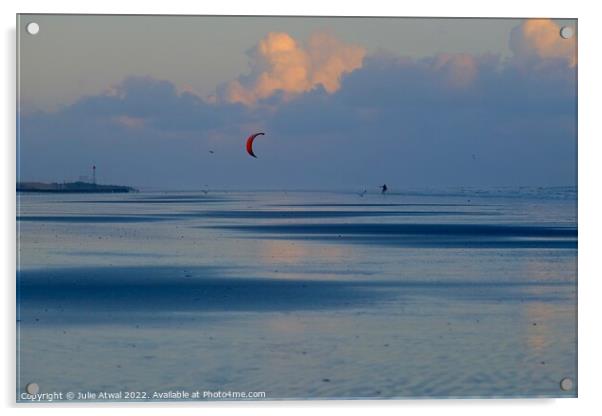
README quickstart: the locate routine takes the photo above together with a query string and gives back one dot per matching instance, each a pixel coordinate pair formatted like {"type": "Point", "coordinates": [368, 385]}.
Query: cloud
{"type": "Point", "coordinates": [461, 69]}
{"type": "Point", "coordinates": [144, 102]}
{"type": "Point", "coordinates": [130, 122]}
{"type": "Point", "coordinates": [281, 64]}
{"type": "Point", "coordinates": [539, 39]}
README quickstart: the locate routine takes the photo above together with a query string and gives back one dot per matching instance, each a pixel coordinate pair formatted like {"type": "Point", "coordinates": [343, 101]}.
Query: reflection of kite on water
{"type": "Point", "coordinates": [250, 143]}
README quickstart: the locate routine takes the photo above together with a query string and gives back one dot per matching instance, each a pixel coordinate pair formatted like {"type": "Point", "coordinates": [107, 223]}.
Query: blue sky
{"type": "Point", "coordinates": [343, 105]}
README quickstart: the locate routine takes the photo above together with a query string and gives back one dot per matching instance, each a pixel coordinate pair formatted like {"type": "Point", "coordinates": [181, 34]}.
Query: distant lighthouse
{"type": "Point", "coordinates": [94, 174]}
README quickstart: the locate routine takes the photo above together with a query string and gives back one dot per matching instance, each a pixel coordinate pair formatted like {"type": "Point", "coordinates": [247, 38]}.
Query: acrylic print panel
{"type": "Point", "coordinates": [266, 208]}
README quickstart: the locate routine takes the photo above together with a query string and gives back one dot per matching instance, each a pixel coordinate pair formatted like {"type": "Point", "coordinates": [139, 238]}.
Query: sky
{"type": "Point", "coordinates": [346, 103]}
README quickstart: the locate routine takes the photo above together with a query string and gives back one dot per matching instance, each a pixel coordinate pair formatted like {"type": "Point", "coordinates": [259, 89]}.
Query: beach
{"type": "Point", "coordinates": [299, 294]}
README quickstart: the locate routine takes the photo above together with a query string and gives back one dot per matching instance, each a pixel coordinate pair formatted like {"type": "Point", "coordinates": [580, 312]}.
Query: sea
{"type": "Point", "coordinates": [294, 295]}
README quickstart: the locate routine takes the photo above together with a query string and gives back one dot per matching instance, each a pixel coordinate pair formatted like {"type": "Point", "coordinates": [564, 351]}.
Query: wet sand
{"type": "Point", "coordinates": [300, 295]}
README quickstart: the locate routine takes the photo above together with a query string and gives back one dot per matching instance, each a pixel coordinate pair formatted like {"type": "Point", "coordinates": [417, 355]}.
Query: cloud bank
{"type": "Point", "coordinates": [337, 118]}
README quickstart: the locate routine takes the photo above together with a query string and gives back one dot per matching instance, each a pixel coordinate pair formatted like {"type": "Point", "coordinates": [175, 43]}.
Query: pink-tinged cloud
{"type": "Point", "coordinates": [540, 38]}
{"type": "Point", "coordinates": [281, 64]}
{"type": "Point", "coordinates": [129, 121]}
{"type": "Point", "coordinates": [460, 69]}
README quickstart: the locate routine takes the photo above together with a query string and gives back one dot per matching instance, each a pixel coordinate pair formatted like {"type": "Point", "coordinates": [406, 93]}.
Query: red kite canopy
{"type": "Point", "coordinates": [250, 143]}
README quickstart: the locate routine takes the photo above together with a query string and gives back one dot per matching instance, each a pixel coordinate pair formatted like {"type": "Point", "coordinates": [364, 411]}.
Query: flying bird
{"type": "Point", "coordinates": [250, 143]}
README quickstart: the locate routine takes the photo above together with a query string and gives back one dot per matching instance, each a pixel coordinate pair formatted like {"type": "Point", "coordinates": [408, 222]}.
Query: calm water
{"type": "Point", "coordinates": [300, 294]}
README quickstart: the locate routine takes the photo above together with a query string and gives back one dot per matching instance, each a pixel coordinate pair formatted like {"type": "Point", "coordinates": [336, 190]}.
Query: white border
{"type": "Point", "coordinates": [589, 196]}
